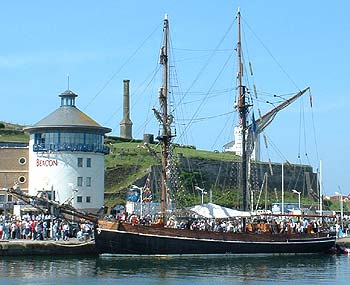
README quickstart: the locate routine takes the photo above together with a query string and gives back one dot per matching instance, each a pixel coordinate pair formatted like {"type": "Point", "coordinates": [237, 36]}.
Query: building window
{"type": "Point", "coordinates": [22, 160]}
{"type": "Point", "coordinates": [70, 141]}
{"type": "Point", "coordinates": [9, 198]}
{"type": "Point", "coordinates": [38, 139]}
{"type": "Point", "coordinates": [21, 179]}
{"type": "Point", "coordinates": [88, 199]}
{"type": "Point", "coordinates": [2, 198]}
{"type": "Point", "coordinates": [80, 162]}
{"type": "Point", "coordinates": [88, 181]}
{"type": "Point", "coordinates": [79, 199]}
{"type": "Point", "coordinates": [88, 162]}
{"type": "Point", "coordinates": [80, 181]}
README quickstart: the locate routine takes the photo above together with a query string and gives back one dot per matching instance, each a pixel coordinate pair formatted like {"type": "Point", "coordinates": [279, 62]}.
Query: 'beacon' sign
{"type": "Point", "coordinates": [46, 162]}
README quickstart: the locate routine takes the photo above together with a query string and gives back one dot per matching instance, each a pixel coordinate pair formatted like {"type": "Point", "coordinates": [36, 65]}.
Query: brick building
{"type": "Point", "coordinates": [14, 169]}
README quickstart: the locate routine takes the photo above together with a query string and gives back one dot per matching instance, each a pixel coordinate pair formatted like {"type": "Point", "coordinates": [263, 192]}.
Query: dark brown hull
{"type": "Point", "coordinates": [147, 240]}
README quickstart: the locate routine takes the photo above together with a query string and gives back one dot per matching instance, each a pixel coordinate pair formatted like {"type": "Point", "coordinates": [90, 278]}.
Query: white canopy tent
{"type": "Point", "coordinates": [213, 211]}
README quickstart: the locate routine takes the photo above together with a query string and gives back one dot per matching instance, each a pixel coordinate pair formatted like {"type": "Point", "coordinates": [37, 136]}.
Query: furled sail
{"type": "Point", "coordinates": [257, 126]}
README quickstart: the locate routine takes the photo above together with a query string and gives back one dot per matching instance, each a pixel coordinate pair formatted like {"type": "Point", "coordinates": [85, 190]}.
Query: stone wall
{"type": "Point", "coordinates": [226, 174]}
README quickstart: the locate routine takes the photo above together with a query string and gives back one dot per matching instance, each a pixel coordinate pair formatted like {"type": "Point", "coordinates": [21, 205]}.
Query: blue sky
{"type": "Point", "coordinates": [291, 44]}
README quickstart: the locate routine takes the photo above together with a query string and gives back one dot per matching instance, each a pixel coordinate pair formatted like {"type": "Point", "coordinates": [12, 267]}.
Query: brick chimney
{"type": "Point", "coordinates": [126, 124]}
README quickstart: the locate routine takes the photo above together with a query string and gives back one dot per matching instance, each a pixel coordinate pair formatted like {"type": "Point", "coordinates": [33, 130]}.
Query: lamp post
{"type": "Point", "coordinates": [341, 207]}
{"type": "Point", "coordinates": [282, 188]}
{"type": "Point", "coordinates": [71, 200]}
{"type": "Point", "coordinates": [203, 192]}
{"type": "Point", "coordinates": [74, 191]}
{"type": "Point", "coordinates": [297, 192]}
{"type": "Point", "coordinates": [5, 203]}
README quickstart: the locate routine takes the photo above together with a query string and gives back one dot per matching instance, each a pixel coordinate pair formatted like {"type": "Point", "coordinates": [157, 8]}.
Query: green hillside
{"type": "Point", "coordinates": [12, 133]}
{"type": "Point", "coordinates": [130, 161]}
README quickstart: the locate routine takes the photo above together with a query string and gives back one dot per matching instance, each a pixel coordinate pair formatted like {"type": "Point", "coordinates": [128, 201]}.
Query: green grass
{"type": "Point", "coordinates": [14, 137]}
{"type": "Point", "coordinates": [12, 133]}
{"type": "Point", "coordinates": [129, 156]}
{"type": "Point", "coordinates": [129, 152]}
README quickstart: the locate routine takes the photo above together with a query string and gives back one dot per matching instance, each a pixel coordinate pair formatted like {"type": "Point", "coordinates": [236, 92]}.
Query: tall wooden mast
{"type": "Point", "coordinates": [242, 108]}
{"type": "Point", "coordinates": [166, 135]}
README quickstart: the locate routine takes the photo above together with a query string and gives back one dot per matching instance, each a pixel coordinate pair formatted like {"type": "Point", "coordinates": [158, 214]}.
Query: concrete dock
{"type": "Point", "coordinates": [46, 247]}
{"type": "Point", "coordinates": [344, 241]}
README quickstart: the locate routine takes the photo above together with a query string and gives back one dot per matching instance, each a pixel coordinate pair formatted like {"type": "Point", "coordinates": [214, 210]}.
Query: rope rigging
{"type": "Point", "coordinates": [183, 124]}
{"type": "Point", "coordinates": [121, 67]}
{"type": "Point", "coordinates": [271, 99]}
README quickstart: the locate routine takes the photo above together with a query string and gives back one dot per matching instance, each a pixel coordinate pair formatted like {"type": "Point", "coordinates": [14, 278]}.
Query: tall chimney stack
{"type": "Point", "coordinates": [126, 124]}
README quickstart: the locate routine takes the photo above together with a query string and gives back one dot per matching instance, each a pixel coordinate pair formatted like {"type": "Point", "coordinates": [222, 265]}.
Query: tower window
{"type": "Point", "coordinates": [88, 199]}
{"type": "Point", "coordinates": [88, 162]}
{"type": "Point", "coordinates": [80, 181]}
{"type": "Point", "coordinates": [80, 162]}
{"type": "Point", "coordinates": [88, 181]}
{"type": "Point", "coordinates": [79, 199]}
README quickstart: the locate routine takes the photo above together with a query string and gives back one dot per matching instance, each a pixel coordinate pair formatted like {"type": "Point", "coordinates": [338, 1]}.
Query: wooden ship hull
{"type": "Point", "coordinates": [125, 238]}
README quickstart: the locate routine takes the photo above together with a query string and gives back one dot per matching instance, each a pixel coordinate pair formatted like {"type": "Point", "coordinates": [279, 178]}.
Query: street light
{"type": "Point", "coordinates": [297, 192]}
{"type": "Point", "coordinates": [203, 192]}
{"type": "Point", "coordinates": [70, 200]}
{"type": "Point", "coordinates": [341, 207]}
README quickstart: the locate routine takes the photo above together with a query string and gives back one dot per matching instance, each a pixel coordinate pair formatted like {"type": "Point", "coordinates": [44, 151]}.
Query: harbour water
{"type": "Point", "coordinates": [228, 269]}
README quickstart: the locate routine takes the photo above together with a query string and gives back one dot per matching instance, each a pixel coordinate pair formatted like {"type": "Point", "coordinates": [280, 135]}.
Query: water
{"type": "Point", "coordinates": [231, 269]}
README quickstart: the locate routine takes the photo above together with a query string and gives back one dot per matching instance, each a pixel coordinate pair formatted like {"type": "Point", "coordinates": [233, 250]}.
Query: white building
{"type": "Point", "coordinates": [236, 145]}
{"type": "Point", "coordinates": [66, 156]}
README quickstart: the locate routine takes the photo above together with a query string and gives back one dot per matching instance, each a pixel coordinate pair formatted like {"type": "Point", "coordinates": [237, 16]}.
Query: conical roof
{"type": "Point", "coordinates": [68, 117]}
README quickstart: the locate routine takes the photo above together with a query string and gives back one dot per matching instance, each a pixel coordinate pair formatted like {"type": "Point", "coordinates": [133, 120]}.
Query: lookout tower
{"type": "Point", "coordinates": [66, 156]}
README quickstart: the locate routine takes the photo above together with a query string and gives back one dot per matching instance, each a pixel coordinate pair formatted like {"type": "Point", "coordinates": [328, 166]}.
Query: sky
{"type": "Point", "coordinates": [97, 44]}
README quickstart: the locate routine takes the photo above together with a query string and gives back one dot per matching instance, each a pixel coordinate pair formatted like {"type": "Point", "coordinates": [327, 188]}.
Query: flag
{"type": "Point", "coordinates": [147, 193]}
{"type": "Point", "coordinates": [252, 135]}
{"type": "Point", "coordinates": [310, 100]}
{"type": "Point", "coordinates": [253, 124]}
{"type": "Point", "coordinates": [133, 194]}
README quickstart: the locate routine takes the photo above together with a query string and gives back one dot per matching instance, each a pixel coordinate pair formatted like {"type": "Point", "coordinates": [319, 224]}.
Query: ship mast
{"type": "Point", "coordinates": [242, 108]}
{"type": "Point", "coordinates": [166, 135]}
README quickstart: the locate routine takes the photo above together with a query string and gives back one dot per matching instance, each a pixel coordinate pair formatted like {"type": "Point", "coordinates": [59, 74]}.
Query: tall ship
{"type": "Point", "coordinates": [116, 237]}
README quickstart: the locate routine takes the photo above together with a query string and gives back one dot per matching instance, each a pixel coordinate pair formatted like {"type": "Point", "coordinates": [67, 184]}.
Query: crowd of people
{"type": "Point", "coordinates": [274, 225]}
{"type": "Point", "coordinates": [256, 224]}
{"type": "Point", "coordinates": [45, 226]}
{"type": "Point", "coordinates": [42, 227]}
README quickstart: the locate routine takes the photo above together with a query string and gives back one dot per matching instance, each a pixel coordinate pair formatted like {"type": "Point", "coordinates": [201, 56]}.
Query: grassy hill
{"type": "Point", "coordinates": [12, 133]}
{"type": "Point", "coordinates": [130, 161]}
